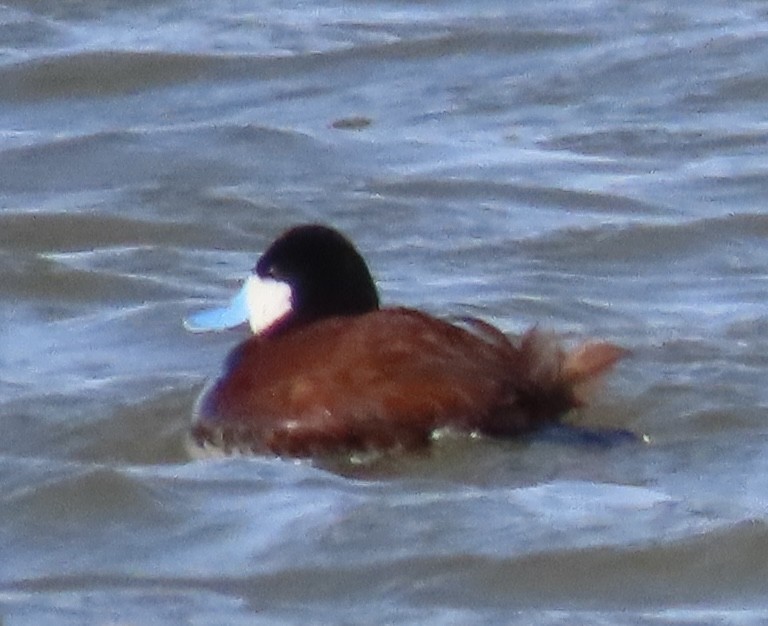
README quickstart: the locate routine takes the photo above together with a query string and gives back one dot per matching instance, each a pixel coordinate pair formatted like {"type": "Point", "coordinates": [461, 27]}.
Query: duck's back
{"type": "Point", "coordinates": [381, 380]}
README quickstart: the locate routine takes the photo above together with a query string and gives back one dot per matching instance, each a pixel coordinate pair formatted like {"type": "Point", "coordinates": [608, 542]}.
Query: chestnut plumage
{"type": "Point", "coordinates": [337, 374]}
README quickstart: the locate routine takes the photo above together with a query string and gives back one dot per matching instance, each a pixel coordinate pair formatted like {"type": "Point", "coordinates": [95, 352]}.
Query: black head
{"type": "Point", "coordinates": [327, 275]}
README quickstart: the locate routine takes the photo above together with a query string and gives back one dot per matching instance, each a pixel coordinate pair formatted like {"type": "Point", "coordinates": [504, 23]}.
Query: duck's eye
{"type": "Point", "coordinates": [272, 272]}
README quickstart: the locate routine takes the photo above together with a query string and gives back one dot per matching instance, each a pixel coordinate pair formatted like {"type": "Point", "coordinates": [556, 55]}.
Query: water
{"type": "Point", "coordinates": [594, 167]}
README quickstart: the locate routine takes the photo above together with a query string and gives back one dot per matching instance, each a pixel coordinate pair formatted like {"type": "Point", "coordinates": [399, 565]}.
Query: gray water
{"type": "Point", "coordinates": [598, 168]}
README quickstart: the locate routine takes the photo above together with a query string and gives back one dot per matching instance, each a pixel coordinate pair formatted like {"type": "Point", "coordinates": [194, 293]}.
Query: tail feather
{"type": "Point", "coordinates": [564, 379]}
{"type": "Point", "coordinates": [590, 360]}
{"type": "Point", "coordinates": [585, 366]}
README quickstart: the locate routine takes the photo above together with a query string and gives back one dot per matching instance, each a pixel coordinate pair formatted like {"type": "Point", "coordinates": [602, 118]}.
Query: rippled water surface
{"type": "Point", "coordinates": [598, 168]}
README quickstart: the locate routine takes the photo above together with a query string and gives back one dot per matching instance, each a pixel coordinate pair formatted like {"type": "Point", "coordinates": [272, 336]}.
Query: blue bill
{"type": "Point", "coordinates": [215, 320]}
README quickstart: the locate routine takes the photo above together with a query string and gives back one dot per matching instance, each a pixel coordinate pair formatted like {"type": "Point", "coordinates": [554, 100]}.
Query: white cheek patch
{"type": "Point", "coordinates": [261, 302]}
{"type": "Point", "coordinates": [267, 301]}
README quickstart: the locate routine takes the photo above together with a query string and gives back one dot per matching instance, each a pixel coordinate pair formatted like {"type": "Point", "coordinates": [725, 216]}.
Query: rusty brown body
{"type": "Point", "coordinates": [387, 379]}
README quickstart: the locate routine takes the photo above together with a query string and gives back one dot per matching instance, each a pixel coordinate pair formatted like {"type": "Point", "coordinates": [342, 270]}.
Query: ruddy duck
{"type": "Point", "coordinates": [329, 371]}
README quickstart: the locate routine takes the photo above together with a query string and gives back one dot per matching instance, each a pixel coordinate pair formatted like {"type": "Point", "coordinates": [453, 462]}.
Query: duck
{"type": "Point", "coordinates": [326, 370]}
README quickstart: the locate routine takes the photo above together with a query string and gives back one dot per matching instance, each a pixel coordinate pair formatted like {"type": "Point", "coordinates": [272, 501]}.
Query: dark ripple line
{"type": "Point", "coordinates": [689, 569]}
{"type": "Point", "coordinates": [527, 194]}
{"type": "Point", "coordinates": [113, 72]}
{"type": "Point", "coordinates": [73, 231]}
{"type": "Point", "coordinates": [656, 242]}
